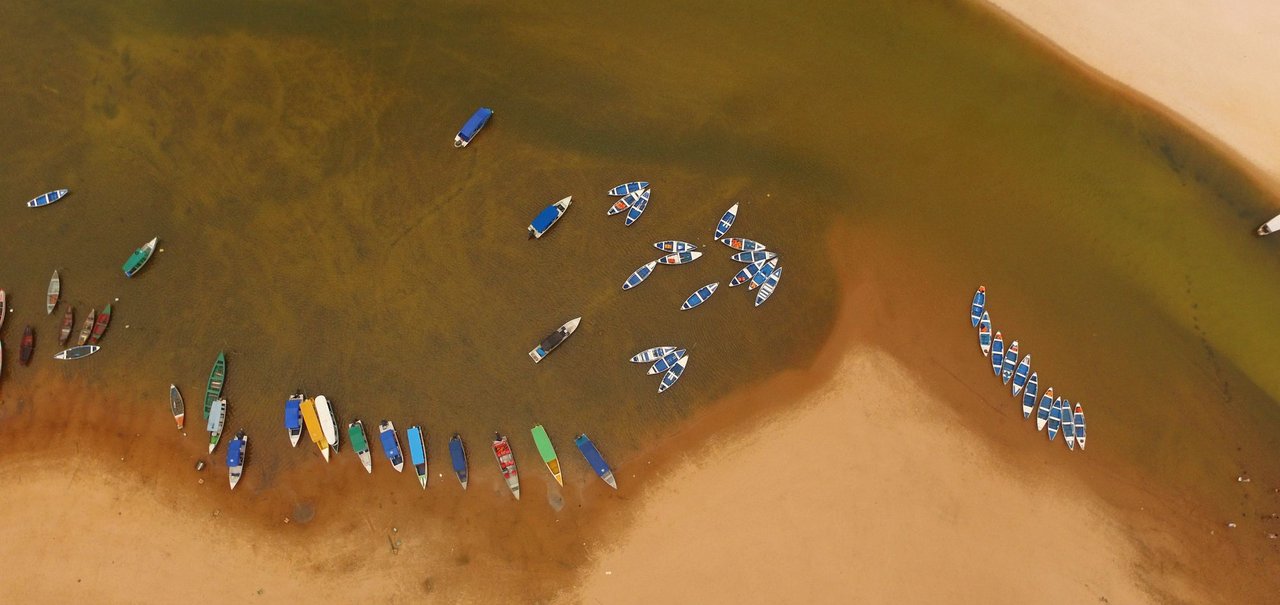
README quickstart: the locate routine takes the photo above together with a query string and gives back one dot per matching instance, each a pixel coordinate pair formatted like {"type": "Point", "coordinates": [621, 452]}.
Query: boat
{"type": "Point", "coordinates": [87, 328]}
{"type": "Point", "coordinates": [984, 334]}
{"type": "Point", "coordinates": [653, 354]}
{"type": "Point", "coordinates": [978, 306]}
{"type": "Point", "coordinates": [554, 339]}
{"type": "Point", "coordinates": [1020, 376]}
{"type": "Point", "coordinates": [1068, 427]}
{"type": "Point", "coordinates": [1042, 414]}
{"type": "Point", "coordinates": [235, 457]}
{"type": "Point", "coordinates": [458, 454]}
{"type": "Point", "coordinates": [314, 430]}
{"type": "Point", "coordinates": [360, 444]}
{"type": "Point", "coordinates": [47, 198]}
{"type": "Point", "coordinates": [217, 417]}
{"type": "Point", "coordinates": [745, 245]}
{"type": "Point", "coordinates": [52, 294]}
{"type": "Point", "coordinates": [1029, 395]}
{"type": "Point", "coordinates": [1078, 420]}
{"type": "Point", "coordinates": [1270, 226]}
{"type": "Point", "coordinates": [68, 324]}
{"type": "Point", "coordinates": [770, 284]}
{"type": "Point", "coordinates": [753, 256]}
{"type": "Point", "coordinates": [139, 258]}
{"type": "Point", "coordinates": [28, 345]}
{"type": "Point", "coordinates": [548, 452]}
{"type": "Point", "coordinates": [4, 307]}
{"type": "Point", "coordinates": [548, 217]}
{"type": "Point", "coordinates": [293, 417]}
{"type": "Point", "coordinates": [627, 188]}
{"type": "Point", "coordinates": [506, 463]}
{"type": "Point", "coordinates": [627, 201]}
{"type": "Point", "coordinates": [391, 444]}
{"type": "Point", "coordinates": [1055, 418]}
{"type": "Point", "coordinates": [680, 258]}
{"type": "Point", "coordinates": [100, 325]}
{"type": "Point", "coordinates": [763, 274]}
{"type": "Point", "coordinates": [1010, 362]}
{"type": "Point", "coordinates": [418, 454]}
{"type": "Point", "coordinates": [328, 421]}
{"type": "Point", "coordinates": [997, 353]}
{"type": "Point", "coordinates": [472, 127]}
{"type": "Point", "coordinates": [674, 245]}
{"type": "Point", "coordinates": [666, 362]}
{"type": "Point", "coordinates": [747, 273]}
{"type": "Point", "coordinates": [673, 374]}
{"type": "Point", "coordinates": [639, 275]}
{"type": "Point", "coordinates": [699, 296]}
{"type": "Point", "coordinates": [726, 221]}
{"type": "Point", "coordinates": [177, 407]}
{"type": "Point", "coordinates": [213, 388]}
{"type": "Point", "coordinates": [594, 459]}
{"type": "Point", "coordinates": [637, 209]}
{"type": "Point", "coordinates": [77, 352]}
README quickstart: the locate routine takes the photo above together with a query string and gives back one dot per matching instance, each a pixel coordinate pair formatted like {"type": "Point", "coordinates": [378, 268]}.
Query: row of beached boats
{"type": "Point", "coordinates": [1054, 413]}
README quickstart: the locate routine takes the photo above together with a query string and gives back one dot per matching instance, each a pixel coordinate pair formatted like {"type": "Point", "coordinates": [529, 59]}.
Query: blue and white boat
{"type": "Point", "coordinates": [472, 127]}
{"type": "Point", "coordinates": [77, 352]}
{"type": "Point", "coordinates": [978, 306]}
{"type": "Point", "coordinates": [984, 334]}
{"type": "Point", "coordinates": [1068, 426]}
{"type": "Point", "coordinates": [766, 289]}
{"type": "Point", "coordinates": [763, 274]}
{"type": "Point", "coordinates": [674, 245]}
{"type": "Point", "coordinates": [418, 453]}
{"type": "Point", "coordinates": [653, 354]}
{"type": "Point", "coordinates": [639, 275]}
{"type": "Point", "coordinates": [235, 457]}
{"type": "Point", "coordinates": [627, 201]}
{"type": "Point", "coordinates": [997, 353]}
{"type": "Point", "coordinates": [726, 221]}
{"type": "Point", "coordinates": [391, 444]}
{"type": "Point", "coordinates": [626, 188]}
{"type": "Point", "coordinates": [1009, 363]}
{"type": "Point", "coordinates": [595, 460]}
{"type": "Point", "coordinates": [1078, 420]}
{"type": "Point", "coordinates": [700, 296]}
{"type": "Point", "coordinates": [458, 455]}
{"type": "Point", "coordinates": [673, 374]}
{"type": "Point", "coordinates": [554, 339]}
{"type": "Point", "coordinates": [1020, 376]}
{"type": "Point", "coordinates": [753, 256]}
{"type": "Point", "coordinates": [1029, 395]}
{"type": "Point", "coordinates": [637, 209]}
{"type": "Point", "coordinates": [548, 217]}
{"type": "Point", "coordinates": [667, 362]}
{"type": "Point", "coordinates": [293, 417]}
{"type": "Point", "coordinates": [746, 273]}
{"type": "Point", "coordinates": [47, 198]}
{"type": "Point", "coordinates": [679, 258]}
{"type": "Point", "coordinates": [744, 245]}
{"type": "Point", "coordinates": [1042, 414]}
{"type": "Point", "coordinates": [1055, 418]}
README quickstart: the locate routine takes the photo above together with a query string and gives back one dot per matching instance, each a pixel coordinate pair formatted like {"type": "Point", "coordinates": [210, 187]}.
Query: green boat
{"type": "Point", "coordinates": [548, 452]}
{"type": "Point", "coordinates": [139, 258]}
{"type": "Point", "coordinates": [360, 444]}
{"type": "Point", "coordinates": [214, 388]}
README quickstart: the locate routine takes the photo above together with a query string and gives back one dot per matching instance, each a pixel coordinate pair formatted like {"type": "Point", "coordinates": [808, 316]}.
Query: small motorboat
{"type": "Point", "coordinates": [751, 257]}
{"type": "Point", "coordinates": [997, 353]}
{"type": "Point", "coordinates": [747, 273]}
{"type": "Point", "coordinates": [1055, 418]}
{"type": "Point", "coordinates": [28, 345]}
{"type": "Point", "coordinates": [984, 334]}
{"type": "Point", "coordinates": [763, 274]}
{"type": "Point", "coordinates": [217, 375]}
{"type": "Point", "coordinates": [458, 455]}
{"type": "Point", "coordinates": [699, 296]}
{"type": "Point", "coordinates": [1020, 375]}
{"type": "Point", "coordinates": [328, 421]}
{"type": "Point", "coordinates": [418, 453]}
{"type": "Point", "coordinates": [87, 328]}
{"type": "Point", "coordinates": [217, 419]}
{"type": "Point", "coordinates": [506, 463]}
{"type": "Point", "coordinates": [766, 290]}
{"type": "Point", "coordinates": [235, 457]}
{"type": "Point", "coordinates": [314, 430]}
{"type": "Point", "coordinates": [680, 258]}
{"type": "Point", "coordinates": [1046, 405]}
{"type": "Point", "coordinates": [1270, 226]}
{"type": "Point", "coordinates": [1068, 427]}
{"type": "Point", "coordinates": [77, 352]}
{"type": "Point", "coordinates": [627, 188]}
{"type": "Point", "coordinates": [68, 324]}
{"type": "Point", "coordinates": [54, 291]}
{"type": "Point", "coordinates": [674, 245]}
{"type": "Point", "coordinates": [47, 198]}
{"type": "Point", "coordinates": [554, 339]}
{"type": "Point", "coordinates": [100, 325]}
{"type": "Point", "coordinates": [637, 209]}
{"type": "Point", "coordinates": [293, 417]}
{"type": "Point", "coordinates": [1078, 421]}
{"type": "Point", "coordinates": [139, 258]}
{"type": "Point", "coordinates": [360, 444]}
{"type": "Point", "coordinates": [666, 363]}
{"type": "Point", "coordinates": [1010, 362]}
{"type": "Point", "coordinates": [726, 221]}
{"type": "Point", "coordinates": [744, 245]}
{"type": "Point", "coordinates": [639, 275]}
{"type": "Point", "coordinates": [548, 217]}
{"type": "Point", "coordinates": [548, 452]}
{"type": "Point", "coordinates": [653, 354]}
{"type": "Point", "coordinates": [673, 374]}
{"type": "Point", "coordinates": [627, 201]}
{"type": "Point", "coordinates": [1029, 395]}
{"type": "Point", "coordinates": [177, 407]}
{"type": "Point", "coordinates": [978, 306]}
{"type": "Point", "coordinates": [472, 127]}
{"type": "Point", "coordinates": [391, 444]}
{"type": "Point", "coordinates": [594, 459]}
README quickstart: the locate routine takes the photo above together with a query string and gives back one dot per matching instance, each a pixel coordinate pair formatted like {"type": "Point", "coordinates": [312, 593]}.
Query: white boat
{"type": "Point", "coordinates": [680, 258]}
{"type": "Point", "coordinates": [235, 457]}
{"type": "Point", "coordinates": [673, 374]}
{"type": "Point", "coordinates": [700, 296]}
{"type": "Point", "coordinates": [639, 275]}
{"type": "Point", "coordinates": [627, 201]}
{"type": "Point", "coordinates": [1078, 420]}
{"type": "Point", "coordinates": [328, 420]}
{"type": "Point", "coordinates": [726, 221]}
{"type": "Point", "coordinates": [674, 245]}
{"type": "Point", "coordinates": [554, 339]}
{"type": "Point", "coordinates": [667, 362]}
{"type": "Point", "coordinates": [766, 290]}
{"type": "Point", "coordinates": [217, 419]}
{"type": "Point", "coordinates": [653, 354]}
{"type": "Point", "coordinates": [55, 290]}
{"type": "Point", "coordinates": [1270, 226]}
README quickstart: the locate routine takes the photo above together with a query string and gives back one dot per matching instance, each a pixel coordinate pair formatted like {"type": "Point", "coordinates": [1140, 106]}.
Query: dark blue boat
{"type": "Point", "coordinates": [978, 305]}
{"type": "Point", "coordinates": [459, 456]}
{"type": "Point", "coordinates": [596, 461]}
{"type": "Point", "coordinates": [473, 126]}
{"type": "Point", "coordinates": [548, 217]}
{"type": "Point", "coordinates": [391, 444]}
{"type": "Point", "coordinates": [293, 417]}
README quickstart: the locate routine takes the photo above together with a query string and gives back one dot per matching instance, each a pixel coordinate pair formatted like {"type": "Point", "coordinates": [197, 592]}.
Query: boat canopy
{"type": "Point", "coordinates": [475, 123]}
{"type": "Point", "coordinates": [458, 455]}
{"type": "Point", "coordinates": [416, 449]}
{"type": "Point", "coordinates": [293, 414]}
{"type": "Point", "coordinates": [217, 414]}
{"type": "Point", "coordinates": [357, 438]}
{"type": "Point", "coordinates": [233, 453]}
{"type": "Point", "coordinates": [389, 444]}
{"type": "Point", "coordinates": [554, 339]}
{"type": "Point", "coordinates": [543, 221]}
{"type": "Point", "coordinates": [592, 455]}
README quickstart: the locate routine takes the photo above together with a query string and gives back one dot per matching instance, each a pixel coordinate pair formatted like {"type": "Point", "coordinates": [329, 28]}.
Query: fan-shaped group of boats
{"type": "Point", "coordinates": [668, 361]}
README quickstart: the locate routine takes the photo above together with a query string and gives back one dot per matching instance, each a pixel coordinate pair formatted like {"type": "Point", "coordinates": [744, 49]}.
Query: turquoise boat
{"type": "Point", "coordinates": [139, 258]}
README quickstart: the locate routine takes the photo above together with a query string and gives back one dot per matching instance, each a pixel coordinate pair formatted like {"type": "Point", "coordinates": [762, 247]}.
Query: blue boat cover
{"type": "Point", "coordinates": [458, 456]}
{"type": "Point", "coordinates": [475, 123]}
{"type": "Point", "coordinates": [293, 414]}
{"type": "Point", "coordinates": [726, 222]}
{"type": "Point", "coordinates": [415, 446]}
{"type": "Point", "coordinates": [543, 221]}
{"type": "Point", "coordinates": [233, 453]}
{"type": "Point", "coordinates": [389, 445]}
{"type": "Point", "coordinates": [592, 455]}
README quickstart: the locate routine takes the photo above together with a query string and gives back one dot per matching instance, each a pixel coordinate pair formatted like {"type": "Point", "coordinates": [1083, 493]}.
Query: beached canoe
{"type": "Point", "coordinates": [763, 274]}
{"type": "Point", "coordinates": [1068, 426]}
{"type": "Point", "coordinates": [1020, 376]}
{"type": "Point", "coordinates": [747, 273]}
{"type": "Point", "coordinates": [627, 188]}
{"type": "Point", "coordinates": [639, 275]}
{"type": "Point", "coordinates": [1055, 418]}
{"type": "Point", "coordinates": [47, 198]}
{"type": "Point", "coordinates": [217, 419]}
{"type": "Point", "coordinates": [699, 296]}
{"type": "Point", "coordinates": [637, 208]}
{"type": "Point", "coordinates": [745, 245]}
{"type": "Point", "coordinates": [87, 328]}
{"type": "Point", "coordinates": [360, 444]}
{"type": "Point", "coordinates": [673, 374]}
{"type": "Point", "coordinates": [771, 284]}
{"type": "Point", "coordinates": [472, 127]}
{"type": "Point", "coordinates": [680, 258]}
{"type": "Point", "coordinates": [1046, 406]}
{"type": "Point", "coordinates": [177, 407]}
{"type": "Point", "coordinates": [1270, 226]}
{"type": "Point", "coordinates": [28, 345]}
{"type": "Point", "coordinates": [100, 325]}
{"type": "Point", "coordinates": [53, 293]}
{"type": "Point", "coordinates": [554, 339]}
{"type": "Point", "coordinates": [77, 352]}
{"type": "Point", "coordinates": [328, 421]}
{"type": "Point", "coordinates": [751, 257]}
{"type": "Point", "coordinates": [4, 307]}
{"type": "Point", "coordinates": [1010, 362]}
{"type": "Point", "coordinates": [1029, 395]}
{"type": "Point", "coordinates": [627, 201]}
{"type": "Point", "coordinates": [978, 305]}
{"type": "Point", "coordinates": [666, 362]}
{"type": "Point", "coordinates": [458, 455]}
{"type": "Point", "coordinates": [418, 453]}
{"type": "Point", "coordinates": [984, 334]}
{"type": "Point", "coordinates": [594, 459]}
{"type": "Point", "coordinates": [1078, 420]}
{"type": "Point", "coordinates": [217, 375]}
{"type": "Point", "coordinates": [506, 463]}
{"type": "Point", "coordinates": [391, 444]}
{"type": "Point", "coordinates": [674, 245]}
{"type": "Point", "coordinates": [293, 417]}
{"type": "Point", "coordinates": [236, 451]}
{"type": "Point", "coordinates": [726, 221]}
{"type": "Point", "coordinates": [548, 452]}
{"type": "Point", "coordinates": [314, 430]}
{"type": "Point", "coordinates": [139, 258]}
{"type": "Point", "coordinates": [548, 217]}
{"type": "Point", "coordinates": [653, 354]}
{"type": "Point", "coordinates": [997, 353]}
{"type": "Point", "coordinates": [68, 324]}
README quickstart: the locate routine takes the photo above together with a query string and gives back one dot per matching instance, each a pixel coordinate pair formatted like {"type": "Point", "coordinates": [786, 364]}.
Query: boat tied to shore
{"type": "Point", "coordinates": [139, 258]}
{"type": "Point", "coordinates": [666, 362]}
{"type": "Point", "coordinates": [418, 454]}
{"type": "Point", "coordinates": [28, 345]}
{"type": "Point", "coordinates": [328, 421]}
{"type": "Point", "coordinates": [506, 463]}
{"type": "Point", "coordinates": [458, 456]}
{"type": "Point", "coordinates": [45, 199]}
{"type": "Point", "coordinates": [314, 430]}
{"type": "Point", "coordinates": [653, 354]}
{"type": "Point", "coordinates": [53, 293]}
{"type": "Point", "coordinates": [1046, 406]}
{"type": "Point", "coordinates": [177, 407]}
{"type": "Point", "coordinates": [1029, 395]}
{"type": "Point", "coordinates": [77, 352]}
{"type": "Point", "coordinates": [360, 444]}
{"type": "Point", "coordinates": [213, 388]}
{"type": "Point", "coordinates": [595, 460]}
{"type": "Point", "coordinates": [554, 340]}
{"type": "Point", "coordinates": [236, 457]}
{"type": "Point", "coordinates": [726, 221]}
{"type": "Point", "coordinates": [673, 374]}
{"type": "Point", "coordinates": [627, 188]}
{"type": "Point", "coordinates": [68, 324]}
{"type": "Point", "coordinates": [548, 452]}
{"type": "Point", "coordinates": [217, 419]}
{"type": "Point", "coordinates": [472, 127]}
{"type": "Point", "coordinates": [639, 275]}
{"type": "Point", "coordinates": [87, 328]}
{"type": "Point", "coordinates": [391, 444]}
{"type": "Point", "coordinates": [984, 334]}
{"type": "Point", "coordinates": [548, 217]}
{"type": "Point", "coordinates": [293, 417]}
{"type": "Point", "coordinates": [769, 285]}
{"type": "Point", "coordinates": [100, 325]}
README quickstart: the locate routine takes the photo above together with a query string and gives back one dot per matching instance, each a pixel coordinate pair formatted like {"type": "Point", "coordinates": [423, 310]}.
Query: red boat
{"type": "Point", "coordinates": [68, 321]}
{"type": "Point", "coordinates": [100, 326]}
{"type": "Point", "coordinates": [506, 463]}
{"type": "Point", "coordinates": [28, 345]}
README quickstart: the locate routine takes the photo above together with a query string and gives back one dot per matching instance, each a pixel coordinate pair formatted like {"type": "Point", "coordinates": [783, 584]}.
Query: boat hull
{"type": "Point", "coordinates": [391, 444]}
{"type": "Point", "coordinates": [139, 258]}
{"type": "Point", "coordinates": [77, 352]}
{"type": "Point", "coordinates": [554, 340]}
{"type": "Point", "coordinates": [52, 294]}
{"type": "Point", "coordinates": [595, 460]}
{"type": "Point", "coordinates": [548, 217]}
{"type": "Point", "coordinates": [472, 127]}
{"type": "Point", "coordinates": [653, 354]}
{"type": "Point", "coordinates": [507, 464]}
{"type": "Point", "coordinates": [176, 406]}
{"type": "Point", "coordinates": [627, 188]}
{"type": "Point", "coordinates": [328, 421]}
{"type": "Point", "coordinates": [726, 221]}
{"type": "Point", "coordinates": [458, 457]}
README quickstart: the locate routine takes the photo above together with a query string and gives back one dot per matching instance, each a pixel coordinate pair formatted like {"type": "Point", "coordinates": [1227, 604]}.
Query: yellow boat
{"type": "Point", "coordinates": [312, 421]}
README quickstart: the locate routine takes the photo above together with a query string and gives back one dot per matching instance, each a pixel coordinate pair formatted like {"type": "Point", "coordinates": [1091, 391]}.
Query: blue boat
{"type": "Point", "coordinates": [997, 353]}
{"type": "Point", "coordinates": [628, 201]}
{"type": "Point", "coordinates": [667, 362]}
{"type": "Point", "coordinates": [548, 217]}
{"type": "Point", "coordinates": [626, 188]}
{"type": "Point", "coordinates": [726, 221]}
{"type": "Point", "coordinates": [594, 459]}
{"type": "Point", "coordinates": [744, 245]}
{"type": "Point", "coordinates": [679, 258]}
{"type": "Point", "coordinates": [1029, 395]}
{"type": "Point", "coordinates": [675, 245]}
{"type": "Point", "coordinates": [418, 453]}
{"type": "Point", "coordinates": [458, 454]}
{"type": "Point", "coordinates": [746, 273]}
{"type": "Point", "coordinates": [639, 275]}
{"type": "Point", "coordinates": [984, 334]}
{"type": "Point", "coordinates": [763, 274]}
{"type": "Point", "coordinates": [637, 209]}
{"type": "Point", "coordinates": [1068, 427]}
{"type": "Point", "coordinates": [753, 256]}
{"type": "Point", "coordinates": [235, 457]}
{"type": "Point", "coordinates": [766, 290]}
{"type": "Point", "coordinates": [293, 417]}
{"type": "Point", "coordinates": [652, 354]}
{"type": "Point", "coordinates": [673, 374]}
{"type": "Point", "coordinates": [1020, 375]}
{"type": "Point", "coordinates": [1055, 418]}
{"type": "Point", "coordinates": [473, 126]}
{"type": "Point", "coordinates": [979, 305]}
{"type": "Point", "coordinates": [1009, 363]}
{"type": "Point", "coordinates": [700, 296]}
{"type": "Point", "coordinates": [391, 444]}
{"type": "Point", "coordinates": [47, 198]}
{"type": "Point", "coordinates": [1042, 414]}
{"type": "Point", "coordinates": [1078, 420]}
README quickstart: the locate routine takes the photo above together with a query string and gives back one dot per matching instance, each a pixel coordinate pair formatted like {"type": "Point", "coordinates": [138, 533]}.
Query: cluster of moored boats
{"type": "Point", "coordinates": [1054, 413]}
{"type": "Point", "coordinates": [668, 361]}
